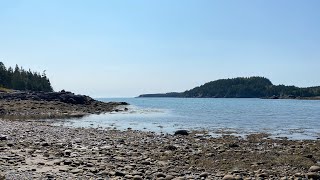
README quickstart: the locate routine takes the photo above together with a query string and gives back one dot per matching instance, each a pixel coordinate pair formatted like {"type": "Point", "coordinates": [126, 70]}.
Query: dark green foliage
{"type": "Point", "coordinates": [251, 87]}
{"type": "Point", "coordinates": [232, 88]}
{"type": "Point", "coordinates": [21, 79]}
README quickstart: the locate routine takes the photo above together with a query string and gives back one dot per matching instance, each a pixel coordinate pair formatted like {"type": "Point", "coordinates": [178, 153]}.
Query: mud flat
{"type": "Point", "coordinates": [39, 150]}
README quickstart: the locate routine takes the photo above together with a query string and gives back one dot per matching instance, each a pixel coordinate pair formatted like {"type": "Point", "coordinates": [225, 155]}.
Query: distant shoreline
{"type": "Point", "coordinates": [244, 87]}
{"type": "Point", "coordinates": [278, 98]}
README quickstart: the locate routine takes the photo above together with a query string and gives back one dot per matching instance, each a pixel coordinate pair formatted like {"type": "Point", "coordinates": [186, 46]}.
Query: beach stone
{"type": "Point", "coordinates": [314, 168]}
{"type": "Point", "coordinates": [171, 147]}
{"type": "Point", "coordinates": [137, 177]}
{"type": "Point", "coordinates": [119, 173]}
{"type": "Point", "coordinates": [160, 174]}
{"type": "Point", "coordinates": [233, 145]}
{"type": "Point", "coordinates": [181, 132]}
{"type": "Point", "coordinates": [298, 175]}
{"type": "Point", "coordinates": [313, 175]}
{"type": "Point", "coordinates": [63, 169]}
{"type": "Point", "coordinates": [204, 174]}
{"type": "Point", "coordinates": [67, 153]}
{"type": "Point", "coordinates": [146, 162]}
{"type": "Point", "coordinates": [10, 144]}
{"type": "Point", "coordinates": [103, 173]}
{"type": "Point", "coordinates": [45, 144]}
{"type": "Point", "coordinates": [49, 176]}
{"type": "Point", "coordinates": [76, 171]}
{"type": "Point", "coordinates": [2, 177]}
{"type": "Point", "coordinates": [3, 137]}
{"type": "Point", "coordinates": [262, 175]}
{"type": "Point", "coordinates": [128, 176]}
{"type": "Point", "coordinates": [169, 177]}
{"type": "Point", "coordinates": [67, 162]}
{"type": "Point", "coordinates": [228, 177]}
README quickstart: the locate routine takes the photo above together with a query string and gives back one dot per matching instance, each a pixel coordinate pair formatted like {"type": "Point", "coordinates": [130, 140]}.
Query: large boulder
{"type": "Point", "coordinates": [314, 168]}
{"type": "Point", "coordinates": [181, 132]}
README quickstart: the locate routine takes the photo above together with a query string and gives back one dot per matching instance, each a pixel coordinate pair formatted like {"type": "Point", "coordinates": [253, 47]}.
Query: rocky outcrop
{"type": "Point", "coordinates": [63, 96]}
{"type": "Point", "coordinates": [36, 105]}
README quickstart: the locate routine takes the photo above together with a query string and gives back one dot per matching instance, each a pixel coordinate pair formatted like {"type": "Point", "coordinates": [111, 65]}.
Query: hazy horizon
{"type": "Point", "coordinates": [128, 48]}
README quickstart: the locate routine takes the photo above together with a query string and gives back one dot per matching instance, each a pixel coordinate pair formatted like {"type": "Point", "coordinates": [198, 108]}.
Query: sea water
{"type": "Point", "coordinates": [294, 119]}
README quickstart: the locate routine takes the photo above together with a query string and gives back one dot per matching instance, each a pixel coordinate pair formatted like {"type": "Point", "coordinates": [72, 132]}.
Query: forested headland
{"type": "Point", "coordinates": [21, 79]}
{"type": "Point", "coordinates": [243, 87]}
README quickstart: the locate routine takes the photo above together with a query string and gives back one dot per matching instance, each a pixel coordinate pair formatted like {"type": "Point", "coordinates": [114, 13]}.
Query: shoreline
{"type": "Point", "coordinates": [160, 129]}
{"type": "Point", "coordinates": [40, 150]}
{"type": "Point", "coordinates": [276, 98]}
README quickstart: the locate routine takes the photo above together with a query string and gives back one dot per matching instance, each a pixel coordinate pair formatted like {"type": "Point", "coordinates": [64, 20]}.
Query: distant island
{"type": "Point", "coordinates": [244, 87]}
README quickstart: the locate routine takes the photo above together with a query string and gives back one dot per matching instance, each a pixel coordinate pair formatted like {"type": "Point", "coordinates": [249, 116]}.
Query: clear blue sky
{"type": "Point", "coordinates": [124, 48]}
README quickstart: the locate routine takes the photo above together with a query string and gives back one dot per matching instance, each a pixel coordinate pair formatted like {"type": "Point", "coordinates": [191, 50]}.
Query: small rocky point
{"type": "Point", "coordinates": [42, 105]}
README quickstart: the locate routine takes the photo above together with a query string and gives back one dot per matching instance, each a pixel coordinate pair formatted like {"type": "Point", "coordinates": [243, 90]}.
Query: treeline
{"type": "Point", "coordinates": [243, 87]}
{"type": "Point", "coordinates": [20, 79]}
{"type": "Point", "coordinates": [232, 88]}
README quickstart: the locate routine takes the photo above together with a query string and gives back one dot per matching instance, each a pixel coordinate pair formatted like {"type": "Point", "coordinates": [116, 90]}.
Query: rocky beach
{"type": "Point", "coordinates": [39, 150]}
{"type": "Point", "coordinates": [32, 146]}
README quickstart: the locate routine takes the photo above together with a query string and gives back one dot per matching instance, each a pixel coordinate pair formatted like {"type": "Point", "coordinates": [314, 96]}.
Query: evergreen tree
{"type": "Point", "coordinates": [21, 79]}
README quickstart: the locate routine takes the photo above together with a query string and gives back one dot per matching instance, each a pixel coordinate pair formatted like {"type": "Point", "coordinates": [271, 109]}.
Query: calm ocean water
{"type": "Point", "coordinates": [295, 119]}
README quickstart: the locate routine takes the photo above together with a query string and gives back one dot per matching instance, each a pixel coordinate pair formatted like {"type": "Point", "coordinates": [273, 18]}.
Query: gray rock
{"type": "Point", "coordinates": [44, 144]}
{"type": "Point", "coordinates": [228, 177]}
{"type": "Point", "coordinates": [204, 174]}
{"type": "Point", "coordinates": [169, 177]}
{"type": "Point", "coordinates": [314, 169]}
{"type": "Point", "coordinates": [170, 147]}
{"type": "Point", "coordinates": [67, 162]}
{"type": "Point", "coordinates": [146, 162]}
{"type": "Point", "coordinates": [2, 177]}
{"type": "Point", "coordinates": [120, 173]}
{"type": "Point", "coordinates": [49, 176]}
{"type": "Point", "coordinates": [3, 137]}
{"type": "Point", "coordinates": [76, 171]}
{"type": "Point", "coordinates": [313, 175]}
{"type": "Point", "coordinates": [181, 132]}
{"type": "Point", "coordinates": [137, 177]}
{"type": "Point", "coordinates": [67, 153]}
{"type": "Point", "coordinates": [160, 174]}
